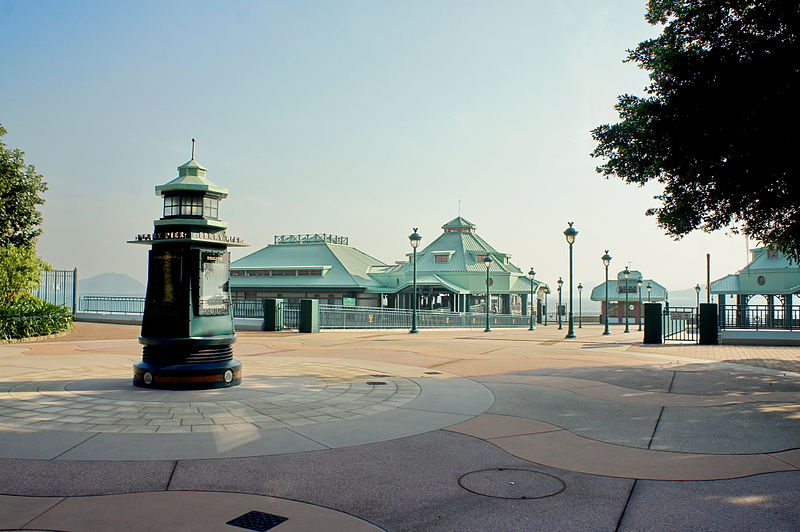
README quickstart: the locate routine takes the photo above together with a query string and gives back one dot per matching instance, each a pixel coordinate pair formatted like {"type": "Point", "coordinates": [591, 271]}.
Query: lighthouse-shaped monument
{"type": "Point", "coordinates": [187, 326]}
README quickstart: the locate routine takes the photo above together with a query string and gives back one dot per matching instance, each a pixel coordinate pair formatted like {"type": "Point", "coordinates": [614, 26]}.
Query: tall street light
{"type": "Point", "coordinates": [414, 238]}
{"type": "Point", "coordinates": [639, 318]}
{"type": "Point", "coordinates": [649, 293]}
{"type": "Point", "coordinates": [546, 292]}
{"type": "Point", "coordinates": [697, 291]}
{"type": "Point", "coordinates": [580, 311]}
{"type": "Point", "coordinates": [570, 233]}
{"type": "Point", "coordinates": [626, 274]}
{"type": "Point", "coordinates": [558, 309]}
{"type": "Point", "coordinates": [531, 275]}
{"type": "Point", "coordinates": [606, 261]}
{"type": "Point", "coordinates": [487, 261]}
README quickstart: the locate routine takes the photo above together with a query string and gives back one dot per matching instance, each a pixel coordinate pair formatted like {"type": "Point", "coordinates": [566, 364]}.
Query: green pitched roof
{"type": "Point", "coordinates": [658, 293]}
{"type": "Point", "coordinates": [769, 272]}
{"type": "Point", "coordinates": [191, 178]}
{"type": "Point", "coordinates": [344, 267]}
{"type": "Point", "coordinates": [458, 222]}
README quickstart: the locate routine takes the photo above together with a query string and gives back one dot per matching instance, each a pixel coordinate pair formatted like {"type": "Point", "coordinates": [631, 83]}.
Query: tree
{"type": "Point", "coordinates": [20, 195]}
{"type": "Point", "coordinates": [20, 270]}
{"type": "Point", "coordinates": [718, 127]}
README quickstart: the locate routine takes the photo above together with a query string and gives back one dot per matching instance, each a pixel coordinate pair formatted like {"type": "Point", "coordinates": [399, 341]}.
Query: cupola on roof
{"type": "Point", "coordinates": [459, 225]}
{"type": "Point", "coordinates": [192, 178]}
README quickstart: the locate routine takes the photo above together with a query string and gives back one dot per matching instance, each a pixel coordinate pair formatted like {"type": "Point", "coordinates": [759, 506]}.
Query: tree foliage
{"type": "Point", "coordinates": [20, 270]}
{"type": "Point", "coordinates": [718, 126]}
{"type": "Point", "coordinates": [20, 196]}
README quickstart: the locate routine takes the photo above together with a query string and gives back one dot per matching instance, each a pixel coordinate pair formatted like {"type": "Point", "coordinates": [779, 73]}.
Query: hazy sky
{"type": "Point", "coordinates": [358, 118]}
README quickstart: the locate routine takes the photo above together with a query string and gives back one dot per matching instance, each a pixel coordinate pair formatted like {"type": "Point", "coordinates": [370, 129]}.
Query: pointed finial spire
{"type": "Point", "coordinates": [193, 141]}
{"type": "Point", "coordinates": [459, 206]}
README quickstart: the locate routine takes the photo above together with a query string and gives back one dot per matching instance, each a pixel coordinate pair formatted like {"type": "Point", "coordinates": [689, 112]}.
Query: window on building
{"type": "Point", "coordinates": [211, 208]}
{"type": "Point", "coordinates": [442, 258]}
{"type": "Point", "coordinates": [480, 258]}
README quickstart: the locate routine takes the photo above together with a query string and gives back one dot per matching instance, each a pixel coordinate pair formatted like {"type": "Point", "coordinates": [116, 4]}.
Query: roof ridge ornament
{"type": "Point", "coordinates": [193, 141]}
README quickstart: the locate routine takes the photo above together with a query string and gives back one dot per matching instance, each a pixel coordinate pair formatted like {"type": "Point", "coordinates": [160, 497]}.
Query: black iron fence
{"type": "Point", "coordinates": [680, 324]}
{"type": "Point", "coordinates": [760, 317]}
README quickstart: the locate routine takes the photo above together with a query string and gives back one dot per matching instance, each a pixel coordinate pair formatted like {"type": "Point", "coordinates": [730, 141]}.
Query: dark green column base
{"type": "Point", "coordinates": [188, 376]}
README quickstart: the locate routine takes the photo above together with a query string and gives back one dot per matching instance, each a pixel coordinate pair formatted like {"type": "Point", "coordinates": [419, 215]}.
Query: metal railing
{"type": "Point", "coordinates": [331, 316]}
{"type": "Point", "coordinates": [341, 317]}
{"type": "Point", "coordinates": [58, 287]}
{"type": "Point", "coordinates": [760, 317]}
{"type": "Point", "coordinates": [112, 304]}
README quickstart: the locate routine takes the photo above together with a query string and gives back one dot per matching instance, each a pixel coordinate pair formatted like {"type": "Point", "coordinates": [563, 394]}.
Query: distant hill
{"type": "Point", "coordinates": [112, 284]}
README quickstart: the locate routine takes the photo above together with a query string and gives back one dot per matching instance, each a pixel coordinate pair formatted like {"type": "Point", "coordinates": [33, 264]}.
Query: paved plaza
{"type": "Point", "coordinates": [381, 430]}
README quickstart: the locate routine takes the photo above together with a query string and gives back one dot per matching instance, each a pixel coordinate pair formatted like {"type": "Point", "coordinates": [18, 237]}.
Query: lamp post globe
{"type": "Point", "coordinates": [580, 310]}
{"type": "Point", "coordinates": [606, 261]}
{"type": "Point", "coordinates": [414, 238]}
{"type": "Point", "coordinates": [570, 233]}
{"type": "Point", "coordinates": [639, 317]}
{"type": "Point", "coordinates": [487, 261]}
{"type": "Point", "coordinates": [697, 291]}
{"type": "Point", "coordinates": [560, 284]}
{"type": "Point", "coordinates": [649, 291]}
{"type": "Point", "coordinates": [532, 302]}
{"type": "Point", "coordinates": [626, 274]}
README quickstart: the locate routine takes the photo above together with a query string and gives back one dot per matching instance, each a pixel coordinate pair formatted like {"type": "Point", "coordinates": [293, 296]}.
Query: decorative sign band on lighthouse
{"type": "Point", "coordinates": [187, 326]}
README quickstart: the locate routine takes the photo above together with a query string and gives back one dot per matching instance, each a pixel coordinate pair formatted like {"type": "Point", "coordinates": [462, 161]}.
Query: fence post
{"type": "Point", "coordinates": [273, 315]}
{"type": "Point", "coordinates": [309, 316]}
{"type": "Point", "coordinates": [653, 325]}
{"type": "Point", "coordinates": [74, 291]}
{"type": "Point", "coordinates": [708, 324]}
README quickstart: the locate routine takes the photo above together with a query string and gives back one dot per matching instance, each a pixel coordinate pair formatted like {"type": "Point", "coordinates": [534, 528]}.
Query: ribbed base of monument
{"type": "Point", "coordinates": [187, 364]}
{"type": "Point", "coordinates": [188, 376]}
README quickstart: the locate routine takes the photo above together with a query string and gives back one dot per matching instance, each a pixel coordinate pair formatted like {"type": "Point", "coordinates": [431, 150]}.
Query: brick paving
{"type": "Point", "coordinates": [291, 394]}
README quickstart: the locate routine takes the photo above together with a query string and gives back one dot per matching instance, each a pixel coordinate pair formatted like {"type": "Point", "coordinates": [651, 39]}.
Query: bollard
{"type": "Point", "coordinates": [653, 326]}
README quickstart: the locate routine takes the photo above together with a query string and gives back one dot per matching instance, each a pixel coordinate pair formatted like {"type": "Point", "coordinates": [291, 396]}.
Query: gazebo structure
{"type": "Point", "coordinates": [636, 288]}
{"type": "Point", "coordinates": [771, 274]}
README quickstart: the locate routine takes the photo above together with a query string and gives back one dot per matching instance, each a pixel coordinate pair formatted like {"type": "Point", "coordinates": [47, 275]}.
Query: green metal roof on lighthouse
{"type": "Point", "coordinates": [192, 178]}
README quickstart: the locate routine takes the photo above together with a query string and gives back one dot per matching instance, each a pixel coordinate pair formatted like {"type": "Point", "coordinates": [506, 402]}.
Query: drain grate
{"type": "Point", "coordinates": [258, 521]}
{"type": "Point", "coordinates": [376, 383]}
{"type": "Point", "coordinates": [433, 373]}
{"type": "Point", "coordinates": [380, 376]}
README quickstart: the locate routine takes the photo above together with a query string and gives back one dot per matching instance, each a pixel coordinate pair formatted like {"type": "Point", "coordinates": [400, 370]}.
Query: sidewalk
{"type": "Point", "coordinates": [445, 430]}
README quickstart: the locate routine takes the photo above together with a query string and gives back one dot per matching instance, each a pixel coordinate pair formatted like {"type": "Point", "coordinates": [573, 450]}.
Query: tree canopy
{"type": "Point", "coordinates": [20, 195]}
{"type": "Point", "coordinates": [718, 126]}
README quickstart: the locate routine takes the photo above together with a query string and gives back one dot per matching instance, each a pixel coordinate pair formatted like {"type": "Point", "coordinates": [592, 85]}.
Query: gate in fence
{"type": "Point", "coordinates": [680, 324]}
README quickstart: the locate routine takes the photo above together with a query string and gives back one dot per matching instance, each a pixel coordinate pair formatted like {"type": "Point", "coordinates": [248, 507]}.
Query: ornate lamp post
{"type": "Point", "coordinates": [606, 261]}
{"type": "Point", "coordinates": [570, 233]}
{"type": "Point", "coordinates": [649, 290]}
{"type": "Point", "coordinates": [639, 318]}
{"type": "Point", "coordinates": [580, 320]}
{"type": "Point", "coordinates": [487, 261]}
{"type": "Point", "coordinates": [697, 291]}
{"type": "Point", "coordinates": [531, 274]}
{"type": "Point", "coordinates": [626, 274]}
{"type": "Point", "coordinates": [546, 292]}
{"type": "Point", "coordinates": [558, 309]}
{"type": "Point", "coordinates": [414, 238]}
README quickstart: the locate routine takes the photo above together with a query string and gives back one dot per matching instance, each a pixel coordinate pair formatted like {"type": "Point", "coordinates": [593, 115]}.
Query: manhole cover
{"type": "Point", "coordinates": [505, 483]}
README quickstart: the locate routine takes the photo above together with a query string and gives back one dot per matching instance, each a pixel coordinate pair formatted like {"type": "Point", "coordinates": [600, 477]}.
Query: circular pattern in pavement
{"type": "Point", "coordinates": [504, 483]}
{"type": "Point", "coordinates": [273, 394]}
